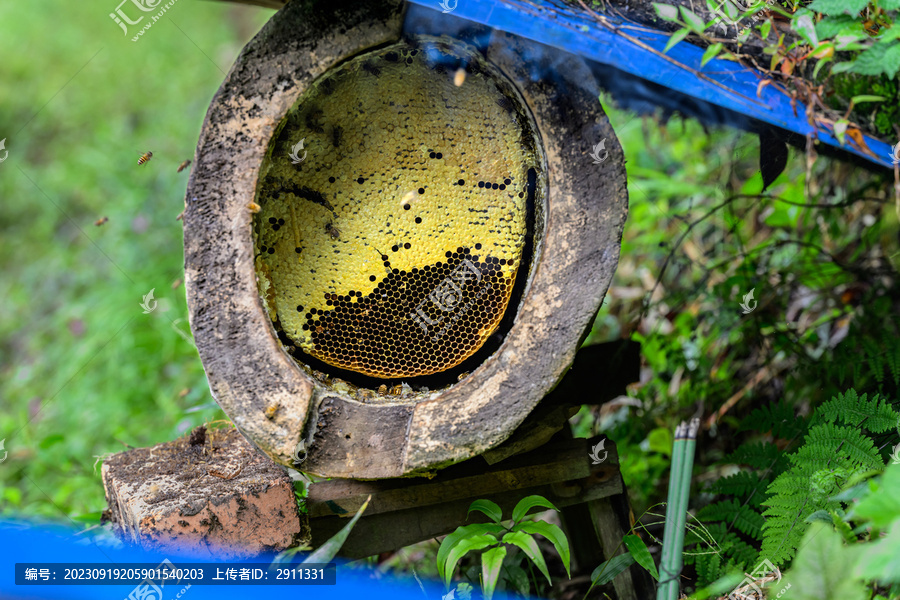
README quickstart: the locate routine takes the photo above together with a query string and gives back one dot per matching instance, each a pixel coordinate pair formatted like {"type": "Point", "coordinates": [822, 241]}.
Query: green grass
{"type": "Point", "coordinates": [84, 371]}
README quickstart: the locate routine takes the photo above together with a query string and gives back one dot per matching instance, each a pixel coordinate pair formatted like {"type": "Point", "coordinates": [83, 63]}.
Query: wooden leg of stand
{"type": "Point", "coordinates": [610, 534]}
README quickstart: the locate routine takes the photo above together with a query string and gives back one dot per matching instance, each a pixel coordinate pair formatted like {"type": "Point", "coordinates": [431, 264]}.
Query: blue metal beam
{"type": "Point", "coordinates": [726, 84]}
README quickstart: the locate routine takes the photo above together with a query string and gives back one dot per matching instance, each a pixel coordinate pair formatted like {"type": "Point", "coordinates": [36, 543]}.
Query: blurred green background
{"type": "Point", "coordinates": [84, 371]}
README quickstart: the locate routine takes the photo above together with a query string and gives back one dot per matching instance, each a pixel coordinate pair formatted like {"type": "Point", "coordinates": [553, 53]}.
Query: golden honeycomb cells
{"type": "Point", "coordinates": [393, 210]}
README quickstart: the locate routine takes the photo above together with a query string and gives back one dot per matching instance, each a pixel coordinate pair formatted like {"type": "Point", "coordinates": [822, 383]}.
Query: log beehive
{"type": "Point", "coordinates": [394, 242]}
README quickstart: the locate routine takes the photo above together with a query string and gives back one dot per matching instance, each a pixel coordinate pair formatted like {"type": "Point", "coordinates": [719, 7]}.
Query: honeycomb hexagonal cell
{"type": "Point", "coordinates": [394, 210]}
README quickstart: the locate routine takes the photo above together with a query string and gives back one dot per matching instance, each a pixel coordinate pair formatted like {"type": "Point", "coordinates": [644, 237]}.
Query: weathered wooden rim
{"type": "Point", "coordinates": [249, 371]}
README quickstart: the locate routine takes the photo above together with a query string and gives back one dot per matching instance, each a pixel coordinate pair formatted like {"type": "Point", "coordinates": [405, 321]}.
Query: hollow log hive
{"type": "Point", "coordinates": [394, 242]}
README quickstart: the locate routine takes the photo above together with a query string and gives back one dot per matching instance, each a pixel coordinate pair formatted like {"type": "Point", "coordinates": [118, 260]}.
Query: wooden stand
{"type": "Point", "coordinates": [403, 512]}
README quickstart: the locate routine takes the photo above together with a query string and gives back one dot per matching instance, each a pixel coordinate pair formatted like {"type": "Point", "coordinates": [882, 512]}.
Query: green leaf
{"type": "Point", "coordinates": [461, 533]}
{"type": "Point", "coordinates": [50, 440]}
{"type": "Point", "coordinates": [840, 126]}
{"type": "Point", "coordinates": [880, 560]}
{"type": "Point", "coordinates": [463, 547]}
{"type": "Point", "coordinates": [666, 12]}
{"type": "Point", "coordinates": [866, 98]}
{"type": "Point", "coordinates": [638, 550]}
{"type": "Point", "coordinates": [804, 25]}
{"type": "Point", "coordinates": [487, 507]}
{"type": "Point", "coordinates": [831, 26]}
{"type": "Point", "coordinates": [837, 7]}
{"type": "Point", "coordinates": [889, 4]}
{"type": "Point", "coordinates": [529, 502]}
{"type": "Point", "coordinates": [883, 57]}
{"type": "Point", "coordinates": [327, 551]}
{"type": "Point", "coordinates": [711, 53]}
{"type": "Point", "coordinates": [516, 575]}
{"type": "Point", "coordinates": [821, 570]}
{"type": "Point", "coordinates": [491, 562]}
{"type": "Point", "coordinates": [529, 546]}
{"type": "Point", "coordinates": [693, 22]}
{"type": "Point", "coordinates": [610, 569]}
{"type": "Point", "coordinates": [675, 38]}
{"type": "Point", "coordinates": [660, 440]}
{"type": "Point", "coordinates": [883, 505]}
{"type": "Point", "coordinates": [765, 28]}
{"type": "Point", "coordinates": [553, 533]}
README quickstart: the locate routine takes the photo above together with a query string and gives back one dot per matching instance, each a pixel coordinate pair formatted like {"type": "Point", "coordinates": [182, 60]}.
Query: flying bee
{"type": "Point", "coordinates": [271, 410]}
{"type": "Point", "coordinates": [371, 69]}
{"type": "Point", "coordinates": [253, 207]}
{"type": "Point", "coordinates": [333, 231]}
{"type": "Point", "coordinates": [183, 166]}
{"type": "Point", "coordinates": [101, 221]}
{"type": "Point", "coordinates": [145, 157]}
{"type": "Point", "coordinates": [459, 77]}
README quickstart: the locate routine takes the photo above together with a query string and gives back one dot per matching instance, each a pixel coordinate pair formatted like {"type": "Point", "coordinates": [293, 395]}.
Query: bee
{"type": "Point", "coordinates": [145, 157]}
{"type": "Point", "coordinates": [505, 103]}
{"type": "Point", "coordinates": [382, 389]}
{"type": "Point", "coordinates": [327, 87]}
{"type": "Point", "coordinates": [271, 410]}
{"type": "Point", "coordinates": [459, 77]}
{"type": "Point", "coordinates": [336, 134]}
{"type": "Point", "coordinates": [183, 166]}
{"type": "Point", "coordinates": [101, 221]}
{"type": "Point", "coordinates": [371, 69]}
{"type": "Point", "coordinates": [180, 216]}
{"type": "Point", "coordinates": [313, 121]}
{"type": "Point", "coordinates": [333, 231]}
{"type": "Point", "coordinates": [253, 207]}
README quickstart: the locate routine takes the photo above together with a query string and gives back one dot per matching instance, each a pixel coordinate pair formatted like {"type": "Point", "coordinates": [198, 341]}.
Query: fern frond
{"type": "Point", "coordinates": [759, 455]}
{"type": "Point", "coordinates": [742, 516]}
{"type": "Point", "coordinates": [743, 484]}
{"type": "Point", "coordinates": [779, 418]}
{"type": "Point", "coordinates": [875, 415]}
{"type": "Point", "coordinates": [830, 455]}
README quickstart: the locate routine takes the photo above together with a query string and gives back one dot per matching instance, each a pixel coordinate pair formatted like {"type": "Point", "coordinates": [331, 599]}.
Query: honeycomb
{"type": "Point", "coordinates": [393, 210]}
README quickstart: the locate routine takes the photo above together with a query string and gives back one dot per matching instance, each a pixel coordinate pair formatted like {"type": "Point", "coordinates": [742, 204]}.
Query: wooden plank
{"type": "Point", "coordinates": [406, 512]}
{"type": "Point", "coordinates": [563, 461]}
{"type": "Point", "coordinates": [610, 534]}
{"type": "Point", "coordinates": [389, 531]}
